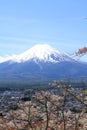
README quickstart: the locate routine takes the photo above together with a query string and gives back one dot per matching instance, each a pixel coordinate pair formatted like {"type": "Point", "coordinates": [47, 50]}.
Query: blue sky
{"type": "Point", "coordinates": [25, 23]}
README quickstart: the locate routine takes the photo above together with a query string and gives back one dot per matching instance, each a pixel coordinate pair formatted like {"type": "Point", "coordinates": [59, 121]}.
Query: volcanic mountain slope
{"type": "Point", "coordinates": [41, 62]}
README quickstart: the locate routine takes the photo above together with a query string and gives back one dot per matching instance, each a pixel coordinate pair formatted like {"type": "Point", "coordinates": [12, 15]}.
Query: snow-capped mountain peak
{"type": "Point", "coordinates": [40, 52]}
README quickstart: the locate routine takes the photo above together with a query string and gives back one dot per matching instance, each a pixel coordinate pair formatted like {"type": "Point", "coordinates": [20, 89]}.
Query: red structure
{"type": "Point", "coordinates": [81, 51]}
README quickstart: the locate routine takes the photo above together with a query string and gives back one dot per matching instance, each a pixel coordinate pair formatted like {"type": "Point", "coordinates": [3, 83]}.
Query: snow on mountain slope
{"type": "Point", "coordinates": [2, 59]}
{"type": "Point", "coordinates": [40, 52]}
{"type": "Point", "coordinates": [7, 58]}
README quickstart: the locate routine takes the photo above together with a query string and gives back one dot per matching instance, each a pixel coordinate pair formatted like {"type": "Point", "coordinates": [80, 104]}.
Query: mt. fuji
{"type": "Point", "coordinates": [41, 62]}
{"type": "Point", "coordinates": [40, 52]}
